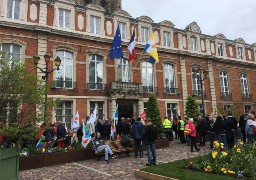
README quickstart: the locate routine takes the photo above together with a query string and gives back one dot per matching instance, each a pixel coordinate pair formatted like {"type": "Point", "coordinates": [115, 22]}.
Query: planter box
{"type": "Point", "coordinates": [162, 143]}
{"type": "Point", "coordinates": [31, 162]}
{"type": "Point", "coordinates": [9, 164]}
{"type": "Point", "coordinates": [80, 155]}
{"type": "Point", "coordinates": [55, 158]}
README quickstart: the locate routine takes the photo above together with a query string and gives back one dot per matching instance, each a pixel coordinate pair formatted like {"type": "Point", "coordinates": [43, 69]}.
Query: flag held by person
{"type": "Point", "coordinates": [143, 117]}
{"type": "Point", "coordinates": [86, 136]}
{"type": "Point", "coordinates": [116, 50]}
{"type": "Point", "coordinates": [92, 118]}
{"type": "Point", "coordinates": [76, 121]}
{"type": "Point", "coordinates": [131, 47]}
{"type": "Point", "coordinates": [150, 48]}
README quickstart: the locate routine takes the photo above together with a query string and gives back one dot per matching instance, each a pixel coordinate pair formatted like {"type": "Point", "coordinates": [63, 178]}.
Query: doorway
{"type": "Point", "coordinates": [125, 109]}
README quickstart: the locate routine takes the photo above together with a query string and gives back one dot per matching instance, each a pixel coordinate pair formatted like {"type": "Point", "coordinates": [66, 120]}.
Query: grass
{"type": "Point", "coordinates": [177, 170]}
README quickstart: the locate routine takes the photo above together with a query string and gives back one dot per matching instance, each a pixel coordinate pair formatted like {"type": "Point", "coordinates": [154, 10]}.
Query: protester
{"type": "Point", "coordinates": [187, 131]}
{"type": "Point", "coordinates": [149, 136]}
{"type": "Point", "coordinates": [209, 129]}
{"type": "Point", "coordinates": [168, 129]}
{"type": "Point", "coordinates": [249, 128]}
{"type": "Point", "coordinates": [106, 130]}
{"type": "Point", "coordinates": [99, 146]}
{"type": "Point", "coordinates": [230, 130]}
{"type": "Point", "coordinates": [98, 126]}
{"type": "Point", "coordinates": [80, 132]}
{"type": "Point", "coordinates": [220, 130]}
{"type": "Point", "coordinates": [175, 127]}
{"type": "Point", "coordinates": [202, 130]}
{"type": "Point", "coordinates": [242, 124]}
{"type": "Point", "coordinates": [125, 128]}
{"type": "Point", "coordinates": [137, 128]}
{"type": "Point", "coordinates": [61, 135]}
{"type": "Point", "coordinates": [193, 135]}
{"type": "Point", "coordinates": [181, 130]}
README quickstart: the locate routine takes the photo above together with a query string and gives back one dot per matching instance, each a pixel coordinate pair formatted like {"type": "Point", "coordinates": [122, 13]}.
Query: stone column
{"type": "Point", "coordinates": [184, 85]}
{"type": "Point", "coordinates": [140, 106]}
{"type": "Point", "coordinates": [212, 86]}
{"type": "Point", "coordinates": [43, 14]}
{"type": "Point", "coordinates": [207, 46]}
{"type": "Point", "coordinates": [112, 106]}
{"type": "Point", "coordinates": [42, 49]}
{"type": "Point", "coordinates": [180, 41]}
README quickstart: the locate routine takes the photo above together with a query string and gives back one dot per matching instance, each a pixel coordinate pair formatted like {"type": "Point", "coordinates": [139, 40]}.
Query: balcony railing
{"type": "Point", "coordinates": [149, 89]}
{"type": "Point", "coordinates": [63, 84]}
{"type": "Point", "coordinates": [226, 95]}
{"type": "Point", "coordinates": [125, 87]}
{"type": "Point", "coordinates": [197, 92]}
{"type": "Point", "coordinates": [171, 90]}
{"type": "Point", "coordinates": [246, 96]}
{"type": "Point", "coordinates": [95, 86]}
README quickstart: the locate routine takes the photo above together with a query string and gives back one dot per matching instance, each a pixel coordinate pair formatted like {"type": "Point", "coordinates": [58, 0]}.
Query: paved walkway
{"type": "Point", "coordinates": [121, 168]}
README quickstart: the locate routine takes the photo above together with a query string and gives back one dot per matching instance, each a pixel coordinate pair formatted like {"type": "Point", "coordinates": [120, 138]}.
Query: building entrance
{"type": "Point", "coordinates": [125, 109]}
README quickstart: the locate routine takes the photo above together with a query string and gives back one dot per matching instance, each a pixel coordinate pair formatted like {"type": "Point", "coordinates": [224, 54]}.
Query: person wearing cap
{"type": "Point", "coordinates": [193, 135]}
{"type": "Point", "coordinates": [250, 123]}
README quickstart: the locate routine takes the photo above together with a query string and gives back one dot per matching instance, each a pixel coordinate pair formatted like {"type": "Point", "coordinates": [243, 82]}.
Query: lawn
{"type": "Point", "coordinates": [177, 170]}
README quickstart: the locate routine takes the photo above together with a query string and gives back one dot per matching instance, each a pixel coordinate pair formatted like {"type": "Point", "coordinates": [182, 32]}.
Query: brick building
{"type": "Point", "coordinates": [80, 32]}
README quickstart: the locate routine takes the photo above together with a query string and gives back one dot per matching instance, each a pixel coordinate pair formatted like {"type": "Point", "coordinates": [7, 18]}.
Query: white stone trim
{"type": "Point", "coordinates": [198, 41]}
{"type": "Point", "coordinates": [224, 48]}
{"type": "Point", "coordinates": [162, 30]}
{"type": "Point", "coordinates": [23, 11]}
{"type": "Point", "coordinates": [127, 22]}
{"type": "Point", "coordinates": [146, 25]}
{"type": "Point", "coordinates": [105, 106]}
{"type": "Point", "coordinates": [43, 14]}
{"type": "Point", "coordinates": [91, 12]}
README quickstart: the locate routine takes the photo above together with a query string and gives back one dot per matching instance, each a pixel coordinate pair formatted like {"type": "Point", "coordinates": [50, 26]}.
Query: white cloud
{"type": "Point", "coordinates": [233, 18]}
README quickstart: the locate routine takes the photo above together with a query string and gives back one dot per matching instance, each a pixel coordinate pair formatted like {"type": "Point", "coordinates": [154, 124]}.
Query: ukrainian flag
{"type": "Point", "coordinates": [150, 48]}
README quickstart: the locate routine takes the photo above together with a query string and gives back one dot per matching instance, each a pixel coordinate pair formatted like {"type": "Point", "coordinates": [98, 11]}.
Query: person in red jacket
{"type": "Point", "coordinates": [192, 135]}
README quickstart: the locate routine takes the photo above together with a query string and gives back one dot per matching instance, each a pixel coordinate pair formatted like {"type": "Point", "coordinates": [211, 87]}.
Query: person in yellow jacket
{"type": "Point", "coordinates": [168, 129]}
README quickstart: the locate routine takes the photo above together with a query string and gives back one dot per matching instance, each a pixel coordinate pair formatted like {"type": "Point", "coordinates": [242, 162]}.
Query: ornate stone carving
{"type": "Point", "coordinates": [80, 20]}
{"type": "Point", "coordinates": [212, 48]}
{"type": "Point", "coordinates": [202, 45]}
{"type": "Point", "coordinates": [33, 12]}
{"type": "Point", "coordinates": [109, 28]}
{"type": "Point", "coordinates": [193, 27]}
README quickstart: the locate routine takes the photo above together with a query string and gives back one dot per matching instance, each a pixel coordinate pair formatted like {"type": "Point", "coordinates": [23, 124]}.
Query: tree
{"type": "Point", "coordinates": [192, 108]}
{"type": "Point", "coordinates": [154, 114]}
{"type": "Point", "coordinates": [21, 94]}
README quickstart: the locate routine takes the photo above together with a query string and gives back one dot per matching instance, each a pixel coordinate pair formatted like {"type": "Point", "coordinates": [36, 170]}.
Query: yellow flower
{"type": "Point", "coordinates": [223, 169]}
{"type": "Point", "coordinates": [225, 172]}
{"type": "Point", "coordinates": [223, 153]}
{"type": "Point", "coordinates": [238, 150]}
{"type": "Point", "coordinates": [43, 150]}
{"type": "Point", "coordinates": [208, 169]}
{"type": "Point", "coordinates": [241, 143]}
{"type": "Point", "coordinates": [216, 144]}
{"type": "Point", "coordinates": [214, 154]}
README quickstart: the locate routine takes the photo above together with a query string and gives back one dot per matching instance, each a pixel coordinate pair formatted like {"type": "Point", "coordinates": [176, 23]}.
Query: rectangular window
{"type": "Point", "coordinates": [244, 85]}
{"type": "Point", "coordinates": [228, 108]}
{"type": "Point", "coordinates": [224, 84]}
{"type": "Point", "coordinates": [99, 109]}
{"type": "Point", "coordinates": [123, 72]}
{"type": "Point", "coordinates": [64, 77]}
{"type": "Point", "coordinates": [247, 108]}
{"type": "Point", "coordinates": [172, 110]}
{"type": "Point", "coordinates": [95, 72]}
{"type": "Point", "coordinates": [95, 23]}
{"type": "Point", "coordinates": [64, 18]}
{"type": "Point", "coordinates": [13, 9]}
{"type": "Point", "coordinates": [122, 27]}
{"type": "Point", "coordinates": [147, 77]}
{"type": "Point", "coordinates": [240, 54]}
{"type": "Point", "coordinates": [145, 106]}
{"type": "Point", "coordinates": [220, 49]}
{"type": "Point", "coordinates": [169, 78]}
{"type": "Point", "coordinates": [144, 34]}
{"type": "Point", "coordinates": [167, 39]}
{"type": "Point", "coordinates": [197, 90]}
{"type": "Point", "coordinates": [12, 52]}
{"type": "Point", "coordinates": [64, 113]}
{"type": "Point", "coordinates": [193, 44]}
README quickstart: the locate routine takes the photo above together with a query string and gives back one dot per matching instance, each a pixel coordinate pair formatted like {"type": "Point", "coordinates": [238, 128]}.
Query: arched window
{"type": "Point", "coordinates": [147, 77]}
{"type": "Point", "coordinates": [64, 77]}
{"type": "Point", "coordinates": [123, 70]}
{"type": "Point", "coordinates": [95, 72]}
{"type": "Point", "coordinates": [224, 84]}
{"type": "Point", "coordinates": [11, 52]}
{"type": "Point", "coordinates": [169, 78]}
{"type": "Point", "coordinates": [244, 85]}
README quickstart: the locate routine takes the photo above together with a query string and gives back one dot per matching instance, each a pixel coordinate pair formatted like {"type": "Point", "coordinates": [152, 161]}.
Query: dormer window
{"type": "Point", "coordinates": [13, 9]}
{"type": "Point", "coordinates": [240, 53]}
{"type": "Point", "coordinates": [95, 25]}
{"type": "Point", "coordinates": [166, 39]}
{"type": "Point", "coordinates": [64, 18]}
{"type": "Point", "coordinates": [193, 44]}
{"type": "Point", "coordinates": [220, 49]}
{"type": "Point", "coordinates": [122, 27]}
{"type": "Point", "coordinates": [144, 34]}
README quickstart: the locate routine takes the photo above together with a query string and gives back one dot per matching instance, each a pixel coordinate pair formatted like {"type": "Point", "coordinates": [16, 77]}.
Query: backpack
{"type": "Point", "coordinates": [152, 134]}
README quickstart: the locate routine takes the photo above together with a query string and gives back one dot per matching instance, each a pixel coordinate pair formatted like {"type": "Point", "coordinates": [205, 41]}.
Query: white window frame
{"type": "Point", "coordinates": [99, 85]}
{"type": "Point", "coordinates": [224, 88]}
{"type": "Point", "coordinates": [169, 73]}
{"type": "Point", "coordinates": [196, 86]}
{"type": "Point", "coordinates": [143, 35]}
{"type": "Point", "coordinates": [11, 51]}
{"type": "Point", "coordinates": [93, 22]}
{"type": "Point", "coordinates": [13, 9]}
{"type": "Point", "coordinates": [193, 43]}
{"type": "Point", "coordinates": [63, 65]}
{"type": "Point", "coordinates": [123, 29]}
{"type": "Point", "coordinates": [220, 49]}
{"type": "Point", "coordinates": [65, 13]}
{"type": "Point", "coordinates": [172, 107]}
{"type": "Point", "coordinates": [146, 66]}
{"type": "Point", "coordinates": [167, 39]}
{"type": "Point", "coordinates": [244, 84]}
{"type": "Point", "coordinates": [125, 70]}
{"type": "Point", "coordinates": [96, 104]}
{"type": "Point", "coordinates": [63, 113]}
{"type": "Point", "coordinates": [240, 52]}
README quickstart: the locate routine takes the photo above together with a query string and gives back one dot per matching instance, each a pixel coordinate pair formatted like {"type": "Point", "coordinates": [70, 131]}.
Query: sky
{"type": "Point", "coordinates": [233, 18]}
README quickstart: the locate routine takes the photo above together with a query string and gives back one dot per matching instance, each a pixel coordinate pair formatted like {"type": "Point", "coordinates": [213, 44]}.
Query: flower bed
{"type": "Point", "coordinates": [239, 161]}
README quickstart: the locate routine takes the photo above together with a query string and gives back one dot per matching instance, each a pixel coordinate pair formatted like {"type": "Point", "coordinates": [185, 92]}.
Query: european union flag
{"type": "Point", "coordinates": [116, 50]}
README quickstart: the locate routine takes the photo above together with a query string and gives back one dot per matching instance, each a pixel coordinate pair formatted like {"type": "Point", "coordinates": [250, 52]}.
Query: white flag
{"type": "Point", "coordinates": [93, 116]}
{"type": "Point", "coordinates": [76, 121]}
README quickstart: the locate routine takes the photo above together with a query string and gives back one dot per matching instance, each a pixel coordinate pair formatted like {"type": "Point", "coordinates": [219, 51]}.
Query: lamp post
{"type": "Point", "coordinates": [46, 72]}
{"type": "Point", "coordinates": [200, 74]}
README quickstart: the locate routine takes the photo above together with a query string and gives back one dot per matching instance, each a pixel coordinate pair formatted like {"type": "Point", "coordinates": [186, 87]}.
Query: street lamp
{"type": "Point", "coordinates": [200, 74]}
{"type": "Point", "coordinates": [46, 72]}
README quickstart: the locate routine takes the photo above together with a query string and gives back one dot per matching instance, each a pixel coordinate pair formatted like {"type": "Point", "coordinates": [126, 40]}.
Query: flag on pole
{"type": "Point", "coordinates": [86, 136]}
{"type": "Point", "coordinates": [131, 47]}
{"type": "Point", "coordinates": [76, 121]}
{"type": "Point", "coordinates": [92, 118]}
{"type": "Point", "coordinates": [150, 48]}
{"type": "Point", "coordinates": [143, 117]}
{"type": "Point", "coordinates": [116, 50]}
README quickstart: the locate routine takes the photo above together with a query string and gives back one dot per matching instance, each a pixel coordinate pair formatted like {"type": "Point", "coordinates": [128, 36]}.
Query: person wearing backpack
{"type": "Point", "coordinates": [137, 129]}
{"type": "Point", "coordinates": [149, 136]}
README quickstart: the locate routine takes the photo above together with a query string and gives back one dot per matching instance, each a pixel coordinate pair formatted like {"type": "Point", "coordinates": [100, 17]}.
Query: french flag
{"type": "Point", "coordinates": [131, 47]}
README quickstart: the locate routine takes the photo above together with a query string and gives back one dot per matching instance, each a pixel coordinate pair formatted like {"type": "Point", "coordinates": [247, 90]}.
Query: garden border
{"type": "Point", "coordinates": [151, 176]}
